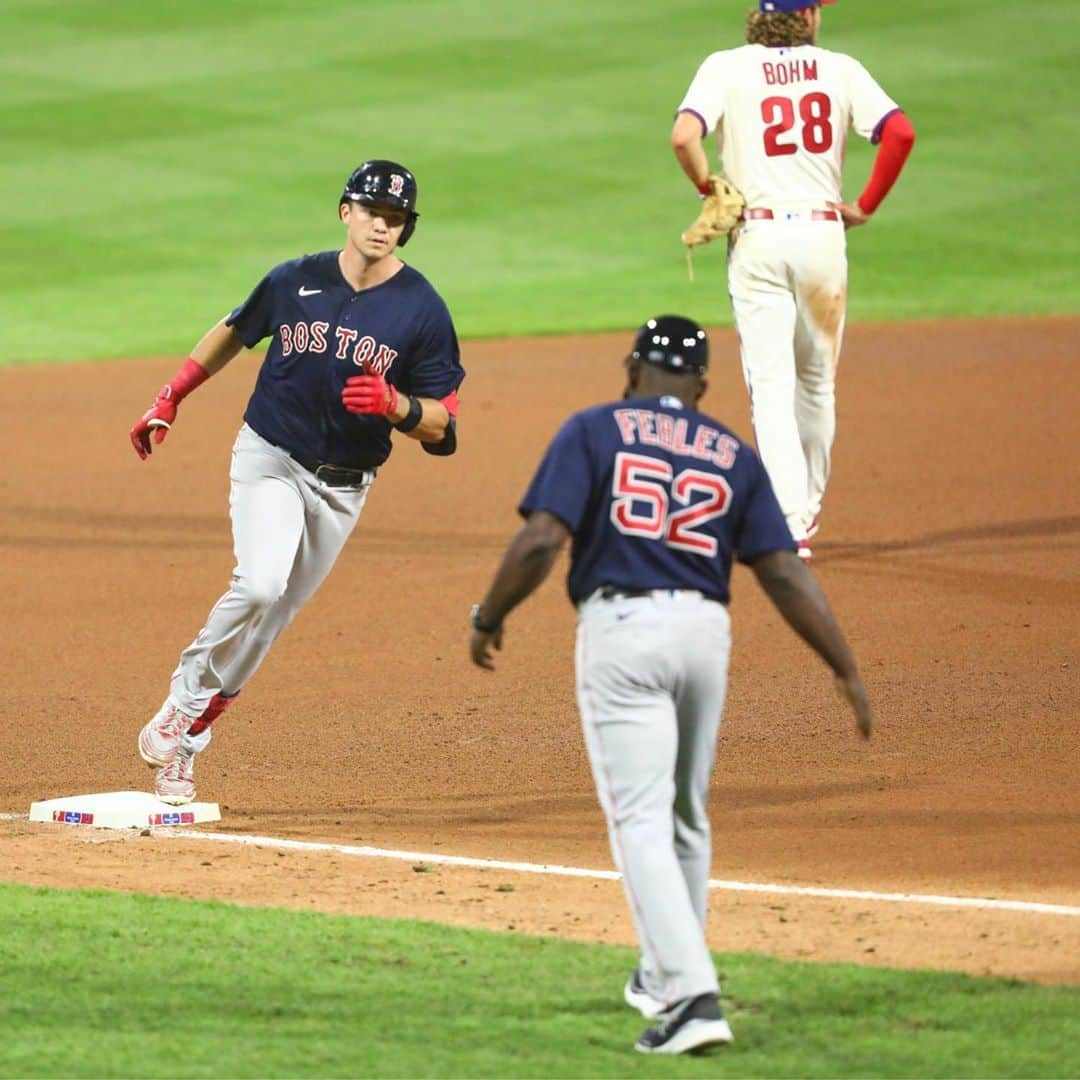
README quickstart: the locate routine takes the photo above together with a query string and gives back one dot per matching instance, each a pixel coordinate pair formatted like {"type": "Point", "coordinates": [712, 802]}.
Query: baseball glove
{"type": "Point", "coordinates": [720, 212]}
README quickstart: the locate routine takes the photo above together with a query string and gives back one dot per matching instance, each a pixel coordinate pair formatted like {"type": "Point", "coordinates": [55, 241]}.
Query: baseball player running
{"type": "Point", "coordinates": [659, 498]}
{"type": "Point", "coordinates": [781, 108]}
{"type": "Point", "coordinates": [362, 345]}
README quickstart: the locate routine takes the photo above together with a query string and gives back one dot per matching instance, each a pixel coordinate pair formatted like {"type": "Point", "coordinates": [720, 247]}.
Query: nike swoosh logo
{"type": "Point", "coordinates": [309, 292]}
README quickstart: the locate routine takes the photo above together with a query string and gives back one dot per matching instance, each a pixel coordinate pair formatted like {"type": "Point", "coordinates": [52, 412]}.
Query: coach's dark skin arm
{"type": "Point", "coordinates": [527, 562]}
{"type": "Point", "coordinates": [798, 597]}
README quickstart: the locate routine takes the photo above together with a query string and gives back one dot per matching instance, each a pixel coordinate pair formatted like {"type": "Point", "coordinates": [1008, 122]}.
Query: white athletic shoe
{"type": "Point", "coordinates": [804, 550]}
{"type": "Point", "coordinates": [637, 997]}
{"type": "Point", "coordinates": [175, 784]}
{"type": "Point", "coordinates": [689, 1025]}
{"type": "Point", "coordinates": [159, 740]}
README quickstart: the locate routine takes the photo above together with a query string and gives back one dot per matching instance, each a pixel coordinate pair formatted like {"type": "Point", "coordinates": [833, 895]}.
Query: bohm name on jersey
{"type": "Point", "coordinates": [791, 71]}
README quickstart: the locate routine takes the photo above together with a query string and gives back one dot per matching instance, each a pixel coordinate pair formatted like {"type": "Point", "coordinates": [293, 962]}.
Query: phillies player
{"type": "Point", "coordinates": [781, 108]}
{"type": "Point", "coordinates": [659, 499]}
{"type": "Point", "coordinates": [362, 345]}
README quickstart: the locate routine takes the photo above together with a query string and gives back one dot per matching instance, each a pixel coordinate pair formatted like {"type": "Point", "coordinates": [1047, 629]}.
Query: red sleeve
{"type": "Point", "coordinates": [451, 402]}
{"type": "Point", "coordinates": [897, 139]}
{"type": "Point", "coordinates": [190, 376]}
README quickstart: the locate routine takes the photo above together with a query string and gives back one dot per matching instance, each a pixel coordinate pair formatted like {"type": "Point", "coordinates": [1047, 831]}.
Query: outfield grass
{"type": "Point", "coordinates": [104, 984]}
{"type": "Point", "coordinates": [158, 158]}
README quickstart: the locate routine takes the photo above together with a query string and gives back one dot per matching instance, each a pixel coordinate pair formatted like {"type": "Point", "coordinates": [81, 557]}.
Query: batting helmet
{"type": "Point", "coordinates": [384, 183]}
{"type": "Point", "coordinates": [674, 343]}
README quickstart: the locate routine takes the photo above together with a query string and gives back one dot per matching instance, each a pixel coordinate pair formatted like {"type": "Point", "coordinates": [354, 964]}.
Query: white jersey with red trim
{"type": "Point", "coordinates": [782, 116]}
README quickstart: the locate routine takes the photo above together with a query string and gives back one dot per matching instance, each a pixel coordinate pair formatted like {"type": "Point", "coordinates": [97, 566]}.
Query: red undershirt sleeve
{"type": "Point", "coordinates": [451, 403]}
{"type": "Point", "coordinates": [897, 139]}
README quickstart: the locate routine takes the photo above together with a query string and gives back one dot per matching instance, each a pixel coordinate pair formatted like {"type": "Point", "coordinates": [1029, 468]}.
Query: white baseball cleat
{"type": "Point", "coordinates": [804, 550]}
{"type": "Point", "coordinates": [637, 997]}
{"type": "Point", "coordinates": [159, 740]}
{"type": "Point", "coordinates": [175, 784]}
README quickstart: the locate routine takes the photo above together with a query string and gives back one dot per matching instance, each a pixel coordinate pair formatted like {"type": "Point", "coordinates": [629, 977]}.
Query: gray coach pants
{"type": "Point", "coordinates": [651, 680]}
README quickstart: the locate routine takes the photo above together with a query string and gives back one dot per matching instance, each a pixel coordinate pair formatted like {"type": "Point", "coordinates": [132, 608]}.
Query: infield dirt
{"type": "Point", "coordinates": [949, 550]}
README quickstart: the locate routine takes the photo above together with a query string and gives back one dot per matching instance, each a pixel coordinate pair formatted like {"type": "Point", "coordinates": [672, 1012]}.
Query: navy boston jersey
{"type": "Point", "coordinates": [323, 332]}
{"type": "Point", "coordinates": [657, 496]}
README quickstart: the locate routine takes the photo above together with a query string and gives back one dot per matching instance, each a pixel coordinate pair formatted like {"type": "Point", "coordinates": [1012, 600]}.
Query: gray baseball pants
{"type": "Point", "coordinates": [288, 530]}
{"type": "Point", "coordinates": [651, 681]}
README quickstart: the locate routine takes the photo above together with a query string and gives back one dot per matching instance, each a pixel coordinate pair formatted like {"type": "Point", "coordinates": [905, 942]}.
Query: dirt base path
{"type": "Point", "coordinates": [949, 549]}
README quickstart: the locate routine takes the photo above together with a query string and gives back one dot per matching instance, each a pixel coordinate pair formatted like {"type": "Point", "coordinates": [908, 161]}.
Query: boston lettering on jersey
{"type": "Point", "coordinates": [311, 338]}
{"type": "Point", "coordinates": [322, 331]}
{"type": "Point", "coordinates": [657, 496]}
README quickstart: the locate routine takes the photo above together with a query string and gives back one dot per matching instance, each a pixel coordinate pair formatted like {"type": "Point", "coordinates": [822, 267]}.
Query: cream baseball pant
{"type": "Point", "coordinates": [788, 284]}
{"type": "Point", "coordinates": [288, 530]}
{"type": "Point", "coordinates": [651, 680]}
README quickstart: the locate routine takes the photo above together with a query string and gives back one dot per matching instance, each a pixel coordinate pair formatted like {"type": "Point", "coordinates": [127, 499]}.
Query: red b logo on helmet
{"type": "Point", "coordinates": [397, 184]}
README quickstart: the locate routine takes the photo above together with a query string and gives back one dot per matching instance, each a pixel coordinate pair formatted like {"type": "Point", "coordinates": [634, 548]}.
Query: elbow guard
{"type": "Point", "coordinates": [446, 445]}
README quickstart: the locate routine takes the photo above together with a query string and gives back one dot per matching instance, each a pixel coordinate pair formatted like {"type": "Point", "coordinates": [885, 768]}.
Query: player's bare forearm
{"type": "Point", "coordinates": [527, 562]}
{"type": "Point", "coordinates": [686, 138]}
{"type": "Point", "coordinates": [434, 418]}
{"type": "Point", "coordinates": [217, 347]}
{"type": "Point", "coordinates": [798, 597]}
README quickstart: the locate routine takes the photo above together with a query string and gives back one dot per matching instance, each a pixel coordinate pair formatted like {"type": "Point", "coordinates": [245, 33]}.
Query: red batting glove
{"type": "Point", "coordinates": [369, 394]}
{"type": "Point", "coordinates": [159, 418]}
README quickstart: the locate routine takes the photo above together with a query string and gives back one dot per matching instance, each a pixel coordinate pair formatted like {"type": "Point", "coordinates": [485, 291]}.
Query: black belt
{"type": "Point", "coordinates": [611, 592]}
{"type": "Point", "coordinates": [614, 592]}
{"type": "Point", "coordinates": [335, 475]}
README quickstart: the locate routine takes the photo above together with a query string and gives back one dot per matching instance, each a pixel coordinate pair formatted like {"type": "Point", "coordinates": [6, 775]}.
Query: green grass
{"type": "Point", "coordinates": [104, 984]}
{"type": "Point", "coordinates": [158, 158]}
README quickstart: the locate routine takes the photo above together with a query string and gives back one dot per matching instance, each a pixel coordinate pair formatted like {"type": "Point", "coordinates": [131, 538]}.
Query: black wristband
{"type": "Point", "coordinates": [412, 417]}
{"type": "Point", "coordinates": [484, 628]}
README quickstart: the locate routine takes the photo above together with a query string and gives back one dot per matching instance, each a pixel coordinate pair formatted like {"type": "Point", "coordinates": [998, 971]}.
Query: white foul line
{"type": "Point", "coordinates": [984, 903]}
{"type": "Point", "coordinates": [612, 875]}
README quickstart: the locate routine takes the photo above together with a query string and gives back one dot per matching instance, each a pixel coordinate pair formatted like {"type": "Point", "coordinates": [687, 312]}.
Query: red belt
{"type": "Point", "coordinates": [759, 213]}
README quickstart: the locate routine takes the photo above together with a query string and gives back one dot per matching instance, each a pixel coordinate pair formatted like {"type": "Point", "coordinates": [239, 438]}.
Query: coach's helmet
{"type": "Point", "coordinates": [384, 183]}
{"type": "Point", "coordinates": [674, 343]}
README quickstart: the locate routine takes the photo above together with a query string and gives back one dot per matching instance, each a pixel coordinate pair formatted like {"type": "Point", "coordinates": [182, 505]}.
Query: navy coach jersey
{"type": "Point", "coordinates": [323, 331]}
{"type": "Point", "coordinates": [657, 496]}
